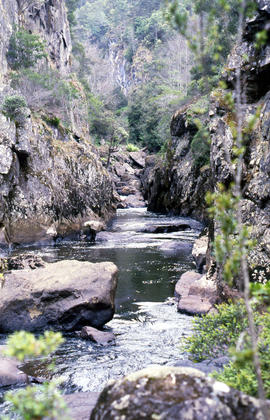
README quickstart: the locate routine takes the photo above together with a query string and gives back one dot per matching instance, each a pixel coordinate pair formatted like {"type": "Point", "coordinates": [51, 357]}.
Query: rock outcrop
{"type": "Point", "coordinates": [256, 168]}
{"type": "Point", "coordinates": [178, 186]}
{"type": "Point", "coordinates": [51, 179]}
{"type": "Point", "coordinates": [51, 185]}
{"type": "Point", "coordinates": [165, 393]}
{"type": "Point", "coordinates": [65, 296]}
{"type": "Point", "coordinates": [48, 20]}
{"type": "Point", "coordinates": [125, 169]}
{"type": "Point", "coordinates": [100, 337]}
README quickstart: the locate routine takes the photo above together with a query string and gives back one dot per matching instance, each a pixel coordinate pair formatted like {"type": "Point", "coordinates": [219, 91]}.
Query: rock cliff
{"type": "Point", "coordinates": [51, 179]}
{"type": "Point", "coordinates": [256, 168]}
{"type": "Point", "coordinates": [177, 186]}
{"type": "Point", "coordinates": [49, 21]}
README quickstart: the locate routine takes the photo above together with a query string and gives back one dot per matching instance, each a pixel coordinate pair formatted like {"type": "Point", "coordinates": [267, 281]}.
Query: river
{"type": "Point", "coordinates": [147, 327]}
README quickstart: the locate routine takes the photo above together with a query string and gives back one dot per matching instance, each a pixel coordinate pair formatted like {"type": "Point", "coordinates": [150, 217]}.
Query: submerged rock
{"type": "Point", "coordinates": [63, 296]}
{"type": "Point", "coordinates": [171, 393]}
{"type": "Point", "coordinates": [99, 337]}
{"type": "Point", "coordinates": [21, 262]}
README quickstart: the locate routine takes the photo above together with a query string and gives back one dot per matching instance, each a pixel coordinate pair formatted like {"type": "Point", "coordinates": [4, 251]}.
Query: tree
{"type": "Point", "coordinates": [24, 49]}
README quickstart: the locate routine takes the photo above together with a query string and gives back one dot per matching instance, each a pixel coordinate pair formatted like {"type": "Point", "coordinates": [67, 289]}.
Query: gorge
{"type": "Point", "coordinates": [100, 206]}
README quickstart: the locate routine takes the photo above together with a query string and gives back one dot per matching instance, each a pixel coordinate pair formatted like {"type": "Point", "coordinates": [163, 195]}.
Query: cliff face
{"type": "Point", "coordinates": [256, 169]}
{"type": "Point", "coordinates": [177, 187]}
{"type": "Point", "coordinates": [51, 179]}
{"type": "Point", "coordinates": [49, 21]}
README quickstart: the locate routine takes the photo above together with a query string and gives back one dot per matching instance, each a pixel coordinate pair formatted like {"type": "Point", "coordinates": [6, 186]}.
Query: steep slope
{"type": "Point", "coordinates": [51, 179]}
{"type": "Point", "coordinates": [178, 187]}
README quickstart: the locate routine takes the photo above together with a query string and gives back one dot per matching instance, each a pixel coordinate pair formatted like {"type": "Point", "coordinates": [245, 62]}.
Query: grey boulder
{"type": "Point", "coordinates": [171, 393]}
{"type": "Point", "coordinates": [65, 296]}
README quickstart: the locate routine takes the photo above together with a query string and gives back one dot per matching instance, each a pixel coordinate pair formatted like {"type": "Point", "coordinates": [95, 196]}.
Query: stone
{"type": "Point", "coordinates": [100, 337]}
{"type": "Point", "coordinates": [6, 159]}
{"type": "Point", "coordinates": [175, 185]}
{"type": "Point", "coordinates": [91, 228]}
{"type": "Point", "coordinates": [196, 294]}
{"type": "Point", "coordinates": [10, 374]}
{"type": "Point", "coordinates": [186, 280]}
{"type": "Point", "coordinates": [65, 296]}
{"type": "Point", "coordinates": [167, 228]}
{"type": "Point", "coordinates": [20, 262]}
{"type": "Point", "coordinates": [81, 404]}
{"type": "Point", "coordinates": [134, 201]}
{"type": "Point", "coordinates": [163, 392]}
{"type": "Point", "coordinates": [138, 158]}
{"type": "Point", "coordinates": [194, 305]}
{"type": "Point", "coordinates": [199, 251]}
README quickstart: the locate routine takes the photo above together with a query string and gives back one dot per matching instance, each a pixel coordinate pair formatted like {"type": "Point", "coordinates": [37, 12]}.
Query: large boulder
{"type": "Point", "coordinates": [196, 294]}
{"type": "Point", "coordinates": [66, 295]}
{"type": "Point", "coordinates": [171, 393]}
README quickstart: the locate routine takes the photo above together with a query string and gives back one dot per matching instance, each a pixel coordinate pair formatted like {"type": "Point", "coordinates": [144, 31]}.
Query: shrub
{"type": "Point", "coordinates": [24, 49]}
{"type": "Point", "coordinates": [131, 147]}
{"type": "Point", "coordinates": [200, 147]}
{"type": "Point", "coordinates": [35, 402]}
{"type": "Point", "coordinates": [14, 106]}
{"type": "Point", "coordinates": [216, 334]}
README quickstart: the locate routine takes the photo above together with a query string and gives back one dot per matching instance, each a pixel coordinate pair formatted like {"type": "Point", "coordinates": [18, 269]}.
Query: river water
{"type": "Point", "coordinates": [147, 327]}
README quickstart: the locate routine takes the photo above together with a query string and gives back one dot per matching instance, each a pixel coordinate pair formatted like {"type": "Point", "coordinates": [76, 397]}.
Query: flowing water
{"type": "Point", "coordinates": [147, 326]}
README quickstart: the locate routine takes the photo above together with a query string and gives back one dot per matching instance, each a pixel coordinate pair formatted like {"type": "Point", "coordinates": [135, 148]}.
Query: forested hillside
{"type": "Point", "coordinates": [134, 67]}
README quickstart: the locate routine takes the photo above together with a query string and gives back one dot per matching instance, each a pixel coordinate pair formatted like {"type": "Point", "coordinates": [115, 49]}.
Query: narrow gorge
{"type": "Point", "coordinates": [117, 132]}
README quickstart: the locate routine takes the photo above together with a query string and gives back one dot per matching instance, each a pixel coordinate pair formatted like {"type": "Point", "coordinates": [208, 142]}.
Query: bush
{"type": "Point", "coordinates": [24, 49]}
{"type": "Point", "coordinates": [14, 106]}
{"type": "Point", "coordinates": [214, 333]}
{"type": "Point", "coordinates": [220, 333]}
{"type": "Point", "coordinates": [35, 402]}
{"type": "Point", "coordinates": [132, 148]}
{"type": "Point", "coordinates": [200, 147]}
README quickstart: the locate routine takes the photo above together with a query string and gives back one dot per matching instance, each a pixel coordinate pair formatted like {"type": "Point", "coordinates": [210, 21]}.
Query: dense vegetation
{"type": "Point", "coordinates": [227, 333]}
{"type": "Point", "coordinates": [148, 61]}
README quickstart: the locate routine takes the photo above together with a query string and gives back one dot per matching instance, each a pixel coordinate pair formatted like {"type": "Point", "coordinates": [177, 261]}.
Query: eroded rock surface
{"type": "Point", "coordinates": [171, 393]}
{"type": "Point", "coordinates": [66, 296]}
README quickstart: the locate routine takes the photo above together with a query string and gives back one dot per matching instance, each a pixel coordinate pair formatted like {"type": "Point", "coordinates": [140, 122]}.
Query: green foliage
{"type": "Point", "coordinates": [14, 106]}
{"type": "Point", "coordinates": [23, 344]}
{"type": "Point", "coordinates": [240, 373]}
{"type": "Point", "coordinates": [35, 402]}
{"type": "Point", "coordinates": [200, 147]}
{"type": "Point", "coordinates": [71, 8]}
{"type": "Point", "coordinates": [148, 120]}
{"type": "Point", "coordinates": [25, 49]}
{"type": "Point", "coordinates": [227, 332]}
{"type": "Point", "coordinates": [52, 120]}
{"type": "Point", "coordinates": [132, 147]}
{"type": "Point", "coordinates": [214, 333]}
{"type": "Point", "coordinates": [215, 33]}
{"type": "Point", "coordinates": [232, 240]}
